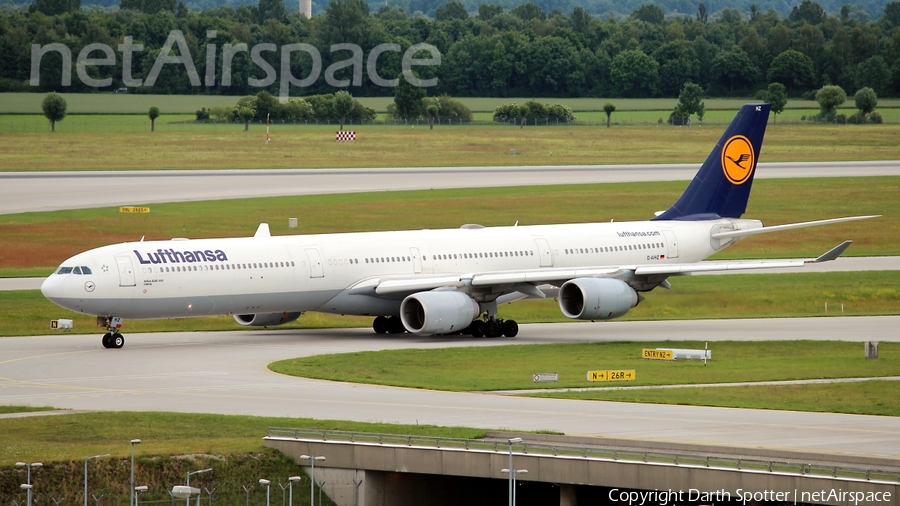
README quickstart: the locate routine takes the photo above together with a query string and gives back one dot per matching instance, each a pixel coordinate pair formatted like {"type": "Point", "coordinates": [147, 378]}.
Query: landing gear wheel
{"type": "Point", "coordinates": [117, 341]}
{"type": "Point", "coordinates": [107, 339]}
{"type": "Point", "coordinates": [477, 328]}
{"type": "Point", "coordinates": [510, 328]}
{"type": "Point", "coordinates": [395, 325]}
{"type": "Point", "coordinates": [380, 325]}
{"type": "Point", "coordinates": [492, 329]}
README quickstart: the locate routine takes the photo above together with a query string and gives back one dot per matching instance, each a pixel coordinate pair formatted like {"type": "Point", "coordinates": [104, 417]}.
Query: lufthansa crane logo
{"type": "Point", "coordinates": [738, 159]}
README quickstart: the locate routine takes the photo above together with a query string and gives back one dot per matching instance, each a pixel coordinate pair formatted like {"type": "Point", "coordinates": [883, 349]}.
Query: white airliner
{"type": "Point", "coordinates": [433, 281]}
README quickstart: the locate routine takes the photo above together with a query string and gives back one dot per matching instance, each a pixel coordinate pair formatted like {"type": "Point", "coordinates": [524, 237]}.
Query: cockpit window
{"type": "Point", "coordinates": [77, 270]}
{"type": "Point", "coordinates": [85, 270]}
{"type": "Point", "coordinates": [64, 270]}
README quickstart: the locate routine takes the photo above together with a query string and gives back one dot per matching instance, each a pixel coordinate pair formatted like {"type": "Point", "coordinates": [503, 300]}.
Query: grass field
{"type": "Point", "coordinates": [189, 146]}
{"type": "Point", "coordinates": [74, 436]}
{"type": "Point", "coordinates": [511, 368]}
{"type": "Point", "coordinates": [863, 398]}
{"type": "Point", "coordinates": [124, 103]}
{"type": "Point", "coordinates": [696, 297]}
{"type": "Point", "coordinates": [481, 368]}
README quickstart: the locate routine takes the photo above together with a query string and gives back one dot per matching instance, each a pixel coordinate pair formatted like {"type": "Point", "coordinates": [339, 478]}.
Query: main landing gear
{"type": "Point", "coordinates": [113, 338]}
{"type": "Point", "coordinates": [493, 327]}
{"type": "Point", "coordinates": [388, 325]}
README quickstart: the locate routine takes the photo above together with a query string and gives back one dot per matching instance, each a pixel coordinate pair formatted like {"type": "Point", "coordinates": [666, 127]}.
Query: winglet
{"type": "Point", "coordinates": [832, 253]}
{"type": "Point", "coordinates": [262, 231]}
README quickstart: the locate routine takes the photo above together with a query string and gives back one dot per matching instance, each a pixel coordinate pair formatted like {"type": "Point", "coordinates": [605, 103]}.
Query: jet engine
{"type": "Point", "coordinates": [596, 298]}
{"type": "Point", "coordinates": [438, 312]}
{"type": "Point", "coordinates": [266, 319]}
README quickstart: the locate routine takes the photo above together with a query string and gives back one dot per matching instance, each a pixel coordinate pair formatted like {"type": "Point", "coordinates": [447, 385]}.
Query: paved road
{"type": "Point", "coordinates": [226, 372]}
{"type": "Point", "coordinates": [46, 191]}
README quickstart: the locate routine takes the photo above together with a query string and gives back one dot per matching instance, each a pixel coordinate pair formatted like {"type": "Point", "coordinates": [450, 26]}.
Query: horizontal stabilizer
{"type": "Point", "coordinates": [789, 226]}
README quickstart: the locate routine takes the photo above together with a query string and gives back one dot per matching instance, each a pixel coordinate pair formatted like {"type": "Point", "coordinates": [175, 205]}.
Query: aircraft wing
{"type": "Point", "coordinates": [526, 281]}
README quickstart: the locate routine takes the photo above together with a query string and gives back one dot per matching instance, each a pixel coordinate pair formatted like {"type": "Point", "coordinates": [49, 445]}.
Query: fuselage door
{"type": "Point", "coordinates": [671, 244]}
{"type": "Point", "coordinates": [417, 261]}
{"type": "Point", "coordinates": [126, 270]}
{"type": "Point", "coordinates": [316, 270]}
{"type": "Point", "coordinates": [544, 251]}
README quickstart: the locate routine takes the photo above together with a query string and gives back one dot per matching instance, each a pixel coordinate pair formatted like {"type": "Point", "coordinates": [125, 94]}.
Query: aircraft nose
{"type": "Point", "coordinates": [52, 287]}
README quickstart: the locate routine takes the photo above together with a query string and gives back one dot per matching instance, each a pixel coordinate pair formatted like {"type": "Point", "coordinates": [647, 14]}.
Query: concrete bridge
{"type": "Point", "coordinates": [363, 469]}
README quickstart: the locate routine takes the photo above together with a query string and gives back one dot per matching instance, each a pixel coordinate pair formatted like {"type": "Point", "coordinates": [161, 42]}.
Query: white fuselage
{"type": "Point", "coordinates": [178, 278]}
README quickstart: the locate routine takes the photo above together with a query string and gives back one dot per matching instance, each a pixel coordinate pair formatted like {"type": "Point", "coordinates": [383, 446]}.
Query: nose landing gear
{"type": "Point", "coordinates": [113, 338]}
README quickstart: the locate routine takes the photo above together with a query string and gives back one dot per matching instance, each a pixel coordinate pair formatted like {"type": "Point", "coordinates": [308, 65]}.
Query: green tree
{"type": "Point", "coordinates": [702, 13]}
{"type": "Point", "coordinates": [529, 11]}
{"type": "Point", "coordinates": [270, 9]}
{"type": "Point", "coordinates": [690, 101]}
{"type": "Point", "coordinates": [523, 115]}
{"type": "Point", "coordinates": [451, 10]}
{"type": "Point", "coordinates": [153, 113]}
{"type": "Point", "coordinates": [874, 73]}
{"type": "Point", "coordinates": [634, 74]}
{"type": "Point", "coordinates": [432, 111]}
{"type": "Point", "coordinates": [487, 11]}
{"type": "Point", "coordinates": [55, 7]}
{"type": "Point", "coordinates": [866, 101]}
{"type": "Point", "coordinates": [408, 100]}
{"type": "Point", "coordinates": [734, 66]}
{"type": "Point", "coordinates": [246, 114]}
{"type": "Point", "coordinates": [649, 13]}
{"type": "Point", "coordinates": [792, 68]}
{"type": "Point", "coordinates": [345, 22]}
{"type": "Point", "coordinates": [267, 104]}
{"type": "Point", "coordinates": [342, 105]}
{"type": "Point", "coordinates": [776, 95]}
{"type": "Point", "coordinates": [54, 107]}
{"type": "Point", "coordinates": [830, 97]}
{"type": "Point", "coordinates": [808, 11]}
{"type": "Point", "coordinates": [892, 13]}
{"type": "Point", "coordinates": [609, 108]}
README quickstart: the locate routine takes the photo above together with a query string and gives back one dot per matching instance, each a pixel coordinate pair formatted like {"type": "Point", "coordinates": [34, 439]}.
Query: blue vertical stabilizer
{"type": "Point", "coordinates": [722, 185]}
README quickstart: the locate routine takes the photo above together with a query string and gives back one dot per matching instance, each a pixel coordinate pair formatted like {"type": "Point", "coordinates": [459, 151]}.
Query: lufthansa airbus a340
{"type": "Point", "coordinates": [433, 281]}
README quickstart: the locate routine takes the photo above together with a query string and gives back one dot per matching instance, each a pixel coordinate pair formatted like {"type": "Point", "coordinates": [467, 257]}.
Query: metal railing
{"type": "Point", "coordinates": [774, 466]}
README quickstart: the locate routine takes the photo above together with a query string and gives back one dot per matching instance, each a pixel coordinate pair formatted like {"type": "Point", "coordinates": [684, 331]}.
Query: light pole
{"type": "Point", "coordinates": [291, 481]}
{"type": "Point", "coordinates": [513, 476]}
{"type": "Point", "coordinates": [131, 490]}
{"type": "Point", "coordinates": [86, 459]}
{"type": "Point", "coordinates": [27, 488]}
{"type": "Point", "coordinates": [187, 502]}
{"type": "Point", "coordinates": [266, 483]}
{"type": "Point", "coordinates": [512, 441]}
{"type": "Point", "coordinates": [312, 477]}
{"type": "Point", "coordinates": [28, 467]}
{"type": "Point", "coordinates": [137, 494]}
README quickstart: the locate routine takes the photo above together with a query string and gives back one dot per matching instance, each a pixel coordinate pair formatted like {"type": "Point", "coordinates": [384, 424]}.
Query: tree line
{"type": "Point", "coordinates": [489, 52]}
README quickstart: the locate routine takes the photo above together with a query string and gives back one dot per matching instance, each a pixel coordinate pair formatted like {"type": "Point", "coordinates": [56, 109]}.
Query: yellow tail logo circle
{"type": "Point", "coordinates": [738, 159]}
